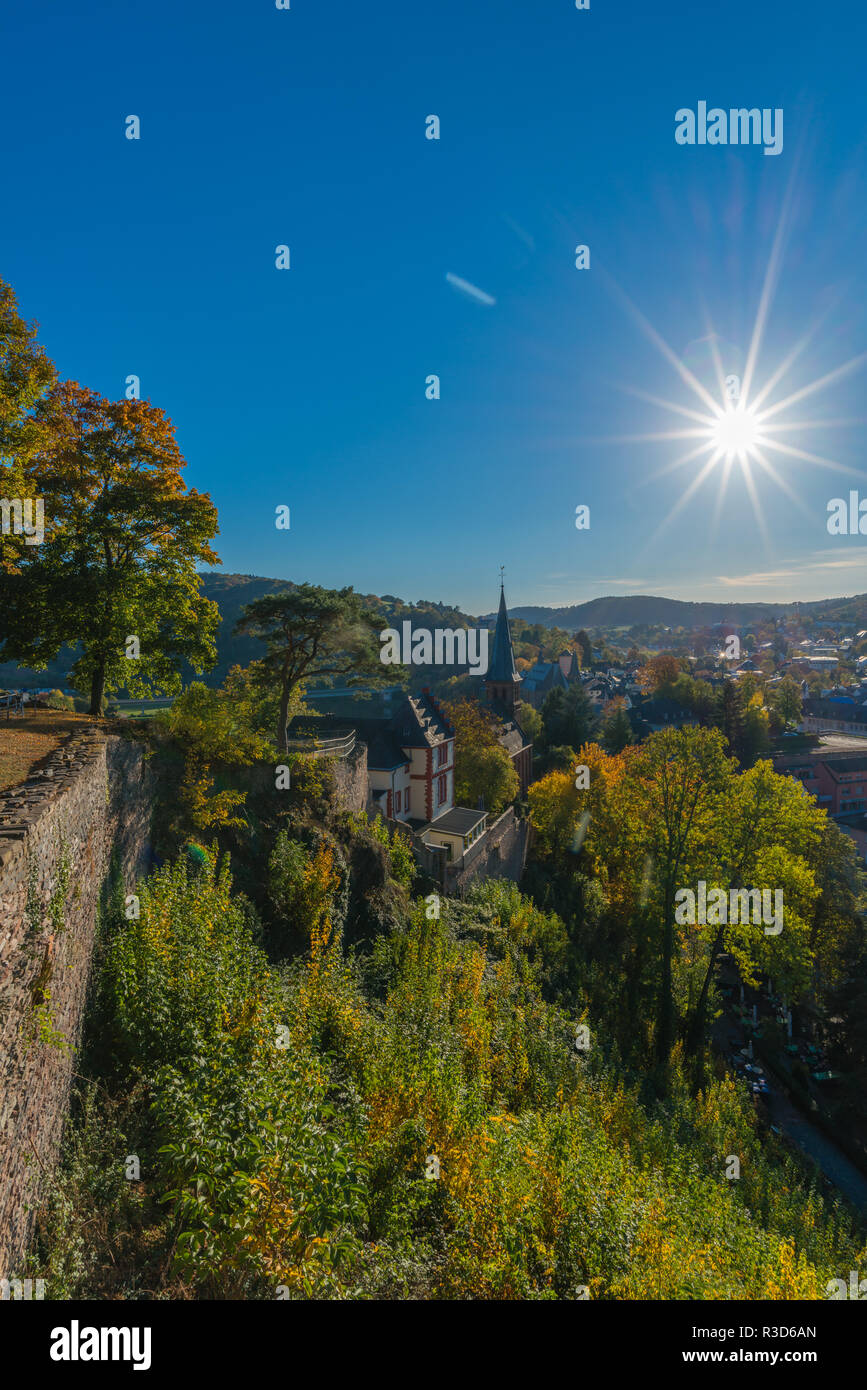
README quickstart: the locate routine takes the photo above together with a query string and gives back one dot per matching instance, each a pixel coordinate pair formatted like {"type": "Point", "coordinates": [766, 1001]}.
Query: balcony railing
{"type": "Point", "coordinates": [341, 747]}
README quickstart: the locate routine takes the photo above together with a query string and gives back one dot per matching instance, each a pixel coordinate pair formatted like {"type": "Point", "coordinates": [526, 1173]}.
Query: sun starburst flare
{"type": "Point", "coordinates": [737, 425]}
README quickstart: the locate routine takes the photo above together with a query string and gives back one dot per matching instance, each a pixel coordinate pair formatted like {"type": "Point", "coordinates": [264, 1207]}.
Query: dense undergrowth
{"type": "Point", "coordinates": [262, 1092]}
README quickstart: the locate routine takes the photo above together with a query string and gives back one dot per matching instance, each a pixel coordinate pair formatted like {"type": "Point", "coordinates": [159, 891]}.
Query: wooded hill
{"type": "Point", "coordinates": [232, 591]}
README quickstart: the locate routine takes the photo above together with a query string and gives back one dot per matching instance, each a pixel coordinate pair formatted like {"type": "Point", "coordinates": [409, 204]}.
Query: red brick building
{"type": "Point", "coordinates": [838, 781]}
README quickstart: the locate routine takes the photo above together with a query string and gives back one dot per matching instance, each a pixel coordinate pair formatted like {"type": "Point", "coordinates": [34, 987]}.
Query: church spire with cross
{"type": "Point", "coordinates": [503, 679]}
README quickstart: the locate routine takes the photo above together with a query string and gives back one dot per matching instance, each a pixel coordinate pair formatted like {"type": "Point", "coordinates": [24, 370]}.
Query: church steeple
{"type": "Point", "coordinates": [503, 680]}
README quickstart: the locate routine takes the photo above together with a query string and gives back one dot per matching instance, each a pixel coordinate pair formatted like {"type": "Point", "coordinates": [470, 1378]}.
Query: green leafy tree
{"type": "Point", "coordinates": [616, 730]}
{"type": "Point", "coordinates": [786, 700]}
{"type": "Point", "coordinates": [214, 723]}
{"type": "Point", "coordinates": [529, 719]}
{"type": "Point", "coordinates": [672, 785]}
{"type": "Point", "coordinates": [488, 773]}
{"type": "Point", "coordinates": [568, 717]}
{"type": "Point", "coordinates": [730, 717]}
{"type": "Point", "coordinates": [767, 835]}
{"type": "Point", "coordinates": [310, 631]}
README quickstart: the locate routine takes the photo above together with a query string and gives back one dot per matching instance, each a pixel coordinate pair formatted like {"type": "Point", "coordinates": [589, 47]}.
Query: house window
{"type": "Point", "coordinates": [397, 797]}
{"type": "Point", "coordinates": [442, 789]}
{"type": "Point", "coordinates": [443, 754]}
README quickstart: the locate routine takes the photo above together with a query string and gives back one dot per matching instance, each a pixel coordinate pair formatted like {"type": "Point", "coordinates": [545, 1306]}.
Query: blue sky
{"type": "Point", "coordinates": [306, 387]}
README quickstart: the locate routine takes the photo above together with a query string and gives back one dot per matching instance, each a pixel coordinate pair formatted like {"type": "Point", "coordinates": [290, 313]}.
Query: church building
{"type": "Point", "coordinates": [502, 692]}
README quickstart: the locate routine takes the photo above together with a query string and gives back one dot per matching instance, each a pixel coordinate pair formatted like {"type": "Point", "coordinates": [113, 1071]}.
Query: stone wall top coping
{"type": "Point", "coordinates": [24, 804]}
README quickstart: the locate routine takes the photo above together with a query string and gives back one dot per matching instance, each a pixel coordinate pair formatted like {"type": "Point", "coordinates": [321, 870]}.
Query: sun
{"type": "Point", "coordinates": [736, 433]}
{"type": "Point", "coordinates": [739, 428]}
{"type": "Point", "coordinates": [735, 425]}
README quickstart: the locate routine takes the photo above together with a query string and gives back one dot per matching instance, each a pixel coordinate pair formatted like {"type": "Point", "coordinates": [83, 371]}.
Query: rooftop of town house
{"type": "Point", "coordinates": [512, 737]}
{"type": "Point", "coordinates": [827, 707]}
{"type": "Point", "coordinates": [458, 821]}
{"type": "Point", "coordinates": [840, 770]}
{"type": "Point", "coordinates": [416, 722]}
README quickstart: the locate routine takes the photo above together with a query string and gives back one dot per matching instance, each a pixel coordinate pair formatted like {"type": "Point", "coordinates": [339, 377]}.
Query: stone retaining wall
{"type": "Point", "coordinates": [59, 834]}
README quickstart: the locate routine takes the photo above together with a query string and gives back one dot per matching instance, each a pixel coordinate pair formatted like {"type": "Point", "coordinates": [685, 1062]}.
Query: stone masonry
{"type": "Point", "coordinates": [88, 805]}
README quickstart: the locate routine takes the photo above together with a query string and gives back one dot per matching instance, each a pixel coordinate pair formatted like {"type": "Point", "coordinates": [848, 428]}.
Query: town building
{"type": "Point", "coordinates": [540, 680]}
{"type": "Point", "coordinates": [410, 762]}
{"type": "Point", "coordinates": [652, 715]}
{"type": "Point", "coordinates": [835, 714]}
{"type": "Point", "coordinates": [410, 757]}
{"type": "Point", "coordinates": [838, 781]}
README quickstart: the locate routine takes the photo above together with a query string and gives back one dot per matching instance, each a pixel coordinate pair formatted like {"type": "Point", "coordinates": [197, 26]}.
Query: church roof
{"type": "Point", "coordinates": [502, 666]}
{"type": "Point", "coordinates": [545, 675]}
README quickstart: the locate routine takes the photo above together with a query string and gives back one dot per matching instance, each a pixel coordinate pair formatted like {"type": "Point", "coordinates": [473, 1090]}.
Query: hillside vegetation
{"type": "Point", "coordinates": [338, 1085]}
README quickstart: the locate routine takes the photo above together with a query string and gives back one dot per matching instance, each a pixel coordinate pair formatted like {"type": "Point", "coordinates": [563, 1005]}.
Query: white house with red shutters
{"type": "Point", "coordinates": [411, 773]}
{"type": "Point", "coordinates": [411, 761]}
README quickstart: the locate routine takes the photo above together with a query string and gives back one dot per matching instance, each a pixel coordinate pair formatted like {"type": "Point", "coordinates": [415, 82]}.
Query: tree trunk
{"type": "Point", "coordinates": [282, 731]}
{"type": "Point", "coordinates": [666, 1002]}
{"type": "Point", "coordinates": [97, 689]}
{"type": "Point", "coordinates": [696, 1030]}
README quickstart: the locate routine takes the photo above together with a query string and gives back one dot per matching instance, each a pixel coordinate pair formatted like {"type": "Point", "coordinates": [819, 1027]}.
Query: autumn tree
{"type": "Point", "coordinates": [116, 573]}
{"type": "Point", "coordinates": [310, 631]}
{"type": "Point", "coordinates": [675, 779]}
{"type": "Point", "coordinates": [483, 768]}
{"type": "Point", "coordinates": [572, 810]}
{"type": "Point", "coordinates": [755, 729]}
{"type": "Point", "coordinates": [659, 674]}
{"type": "Point", "coordinates": [730, 716]}
{"type": "Point", "coordinates": [744, 721]}
{"type": "Point", "coordinates": [26, 375]}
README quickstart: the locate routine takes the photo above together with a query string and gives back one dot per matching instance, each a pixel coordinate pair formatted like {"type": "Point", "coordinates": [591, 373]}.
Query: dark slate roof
{"type": "Point", "coordinates": [458, 821]}
{"type": "Point", "coordinates": [502, 665]}
{"type": "Point", "coordinates": [419, 723]}
{"type": "Point", "coordinates": [512, 738]}
{"type": "Point", "coordinates": [384, 753]}
{"type": "Point", "coordinates": [416, 723]}
{"type": "Point", "coordinates": [545, 675]}
{"type": "Point", "coordinates": [839, 710]}
{"type": "Point", "coordinates": [662, 711]}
